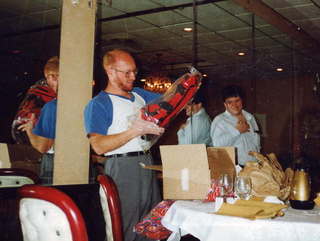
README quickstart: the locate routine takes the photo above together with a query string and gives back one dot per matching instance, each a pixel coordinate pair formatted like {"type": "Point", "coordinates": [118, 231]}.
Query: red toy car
{"type": "Point", "coordinates": [163, 110]}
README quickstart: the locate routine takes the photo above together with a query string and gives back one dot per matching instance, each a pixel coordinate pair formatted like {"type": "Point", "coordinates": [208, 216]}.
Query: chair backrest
{"type": "Point", "coordinates": [47, 214]}
{"type": "Point", "coordinates": [12, 177]}
{"type": "Point", "coordinates": [110, 203]}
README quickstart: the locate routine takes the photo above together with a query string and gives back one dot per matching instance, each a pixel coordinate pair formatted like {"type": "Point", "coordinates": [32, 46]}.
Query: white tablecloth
{"type": "Point", "coordinates": [197, 218]}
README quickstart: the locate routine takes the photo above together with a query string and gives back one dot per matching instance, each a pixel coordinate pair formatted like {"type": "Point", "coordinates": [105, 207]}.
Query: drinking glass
{"type": "Point", "coordinates": [243, 187]}
{"type": "Point", "coordinates": [226, 185]}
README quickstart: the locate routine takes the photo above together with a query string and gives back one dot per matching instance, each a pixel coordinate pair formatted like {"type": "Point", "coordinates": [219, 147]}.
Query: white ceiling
{"type": "Point", "coordinates": [31, 28]}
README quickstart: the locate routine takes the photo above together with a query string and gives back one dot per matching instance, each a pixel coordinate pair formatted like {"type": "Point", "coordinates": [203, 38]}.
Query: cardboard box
{"type": "Point", "coordinates": [188, 169]}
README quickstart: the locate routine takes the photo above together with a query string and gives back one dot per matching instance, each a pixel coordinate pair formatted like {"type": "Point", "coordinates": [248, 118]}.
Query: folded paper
{"type": "Point", "coordinates": [317, 201]}
{"type": "Point", "coordinates": [251, 209]}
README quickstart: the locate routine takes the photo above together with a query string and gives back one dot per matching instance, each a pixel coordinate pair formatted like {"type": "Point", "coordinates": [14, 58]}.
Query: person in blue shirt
{"type": "Point", "coordinates": [41, 133]}
{"type": "Point", "coordinates": [196, 129]}
{"type": "Point", "coordinates": [236, 127]}
{"type": "Point", "coordinates": [42, 138]}
{"type": "Point", "coordinates": [114, 129]}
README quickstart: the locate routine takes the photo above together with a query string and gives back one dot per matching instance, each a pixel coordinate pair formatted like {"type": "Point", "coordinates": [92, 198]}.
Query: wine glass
{"type": "Point", "coordinates": [243, 187]}
{"type": "Point", "coordinates": [226, 186]}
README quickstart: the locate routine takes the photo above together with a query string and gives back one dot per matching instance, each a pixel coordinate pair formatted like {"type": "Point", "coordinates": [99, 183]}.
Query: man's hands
{"type": "Point", "coordinates": [143, 127]}
{"type": "Point", "coordinates": [42, 144]}
{"type": "Point", "coordinates": [28, 126]}
{"type": "Point", "coordinates": [242, 125]}
{"type": "Point", "coordinates": [137, 127]}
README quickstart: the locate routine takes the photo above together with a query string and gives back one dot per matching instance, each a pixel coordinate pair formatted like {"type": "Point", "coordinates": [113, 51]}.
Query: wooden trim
{"type": "Point", "coordinates": [277, 20]}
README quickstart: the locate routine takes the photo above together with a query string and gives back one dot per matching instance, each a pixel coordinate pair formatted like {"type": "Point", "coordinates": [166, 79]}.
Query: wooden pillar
{"type": "Point", "coordinates": [71, 162]}
{"type": "Point", "coordinates": [4, 156]}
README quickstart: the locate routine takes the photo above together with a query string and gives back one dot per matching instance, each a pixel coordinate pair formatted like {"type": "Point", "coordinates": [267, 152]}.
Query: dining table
{"type": "Point", "coordinates": [198, 218]}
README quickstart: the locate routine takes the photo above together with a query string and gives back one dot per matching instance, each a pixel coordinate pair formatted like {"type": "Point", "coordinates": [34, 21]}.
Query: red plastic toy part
{"type": "Point", "coordinates": [168, 106]}
{"type": "Point", "coordinates": [37, 96]}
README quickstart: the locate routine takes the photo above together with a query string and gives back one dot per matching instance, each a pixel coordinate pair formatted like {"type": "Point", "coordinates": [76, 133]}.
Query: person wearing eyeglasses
{"type": "Point", "coordinates": [236, 127]}
{"type": "Point", "coordinates": [196, 129]}
{"type": "Point", "coordinates": [114, 130]}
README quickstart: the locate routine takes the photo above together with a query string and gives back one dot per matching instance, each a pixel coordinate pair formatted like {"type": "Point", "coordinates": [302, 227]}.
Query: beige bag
{"type": "Point", "coordinates": [268, 177]}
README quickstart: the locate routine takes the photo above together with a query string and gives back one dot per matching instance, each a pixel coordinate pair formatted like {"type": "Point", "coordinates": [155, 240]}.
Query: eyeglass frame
{"type": "Point", "coordinates": [127, 73]}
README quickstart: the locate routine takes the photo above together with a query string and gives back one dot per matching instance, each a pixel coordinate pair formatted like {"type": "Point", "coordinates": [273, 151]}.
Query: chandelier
{"type": "Point", "coordinates": [157, 82]}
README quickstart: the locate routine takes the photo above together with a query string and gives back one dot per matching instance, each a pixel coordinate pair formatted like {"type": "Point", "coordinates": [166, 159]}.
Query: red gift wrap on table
{"type": "Point", "coordinates": [151, 226]}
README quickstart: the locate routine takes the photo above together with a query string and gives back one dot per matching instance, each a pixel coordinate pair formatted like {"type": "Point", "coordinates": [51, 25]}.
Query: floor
{"type": "Point", "coordinates": [189, 238]}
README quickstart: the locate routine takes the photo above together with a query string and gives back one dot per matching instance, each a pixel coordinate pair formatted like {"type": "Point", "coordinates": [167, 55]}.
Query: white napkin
{"type": "Point", "coordinates": [238, 169]}
{"type": "Point", "coordinates": [273, 199]}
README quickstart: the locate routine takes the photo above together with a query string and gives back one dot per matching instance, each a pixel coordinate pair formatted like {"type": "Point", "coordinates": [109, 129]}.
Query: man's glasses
{"type": "Point", "coordinates": [127, 73]}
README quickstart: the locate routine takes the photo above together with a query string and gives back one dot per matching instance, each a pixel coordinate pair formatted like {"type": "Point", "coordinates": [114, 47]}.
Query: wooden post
{"type": "Point", "coordinates": [71, 162]}
{"type": "Point", "coordinates": [4, 156]}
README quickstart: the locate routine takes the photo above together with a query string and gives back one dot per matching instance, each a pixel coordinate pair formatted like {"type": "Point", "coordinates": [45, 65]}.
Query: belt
{"type": "Point", "coordinates": [134, 153]}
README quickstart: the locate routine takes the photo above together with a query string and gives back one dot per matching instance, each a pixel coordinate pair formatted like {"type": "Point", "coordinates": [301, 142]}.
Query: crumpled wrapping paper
{"type": "Point", "coordinates": [151, 226]}
{"type": "Point", "coordinates": [268, 177]}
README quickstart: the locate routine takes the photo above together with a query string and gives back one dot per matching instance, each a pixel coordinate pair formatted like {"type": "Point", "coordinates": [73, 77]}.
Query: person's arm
{"type": "Point", "coordinates": [148, 96]}
{"type": "Point", "coordinates": [106, 143]}
{"type": "Point", "coordinates": [202, 129]}
{"type": "Point", "coordinates": [98, 118]}
{"type": "Point", "coordinates": [41, 144]}
{"type": "Point", "coordinates": [184, 134]}
{"type": "Point", "coordinates": [223, 133]}
{"type": "Point", "coordinates": [256, 135]}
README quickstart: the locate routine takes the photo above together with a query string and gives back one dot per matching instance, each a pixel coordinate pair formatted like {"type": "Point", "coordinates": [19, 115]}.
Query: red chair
{"type": "Point", "coordinates": [11, 177]}
{"type": "Point", "coordinates": [110, 203]}
{"type": "Point", "coordinates": [49, 214]}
